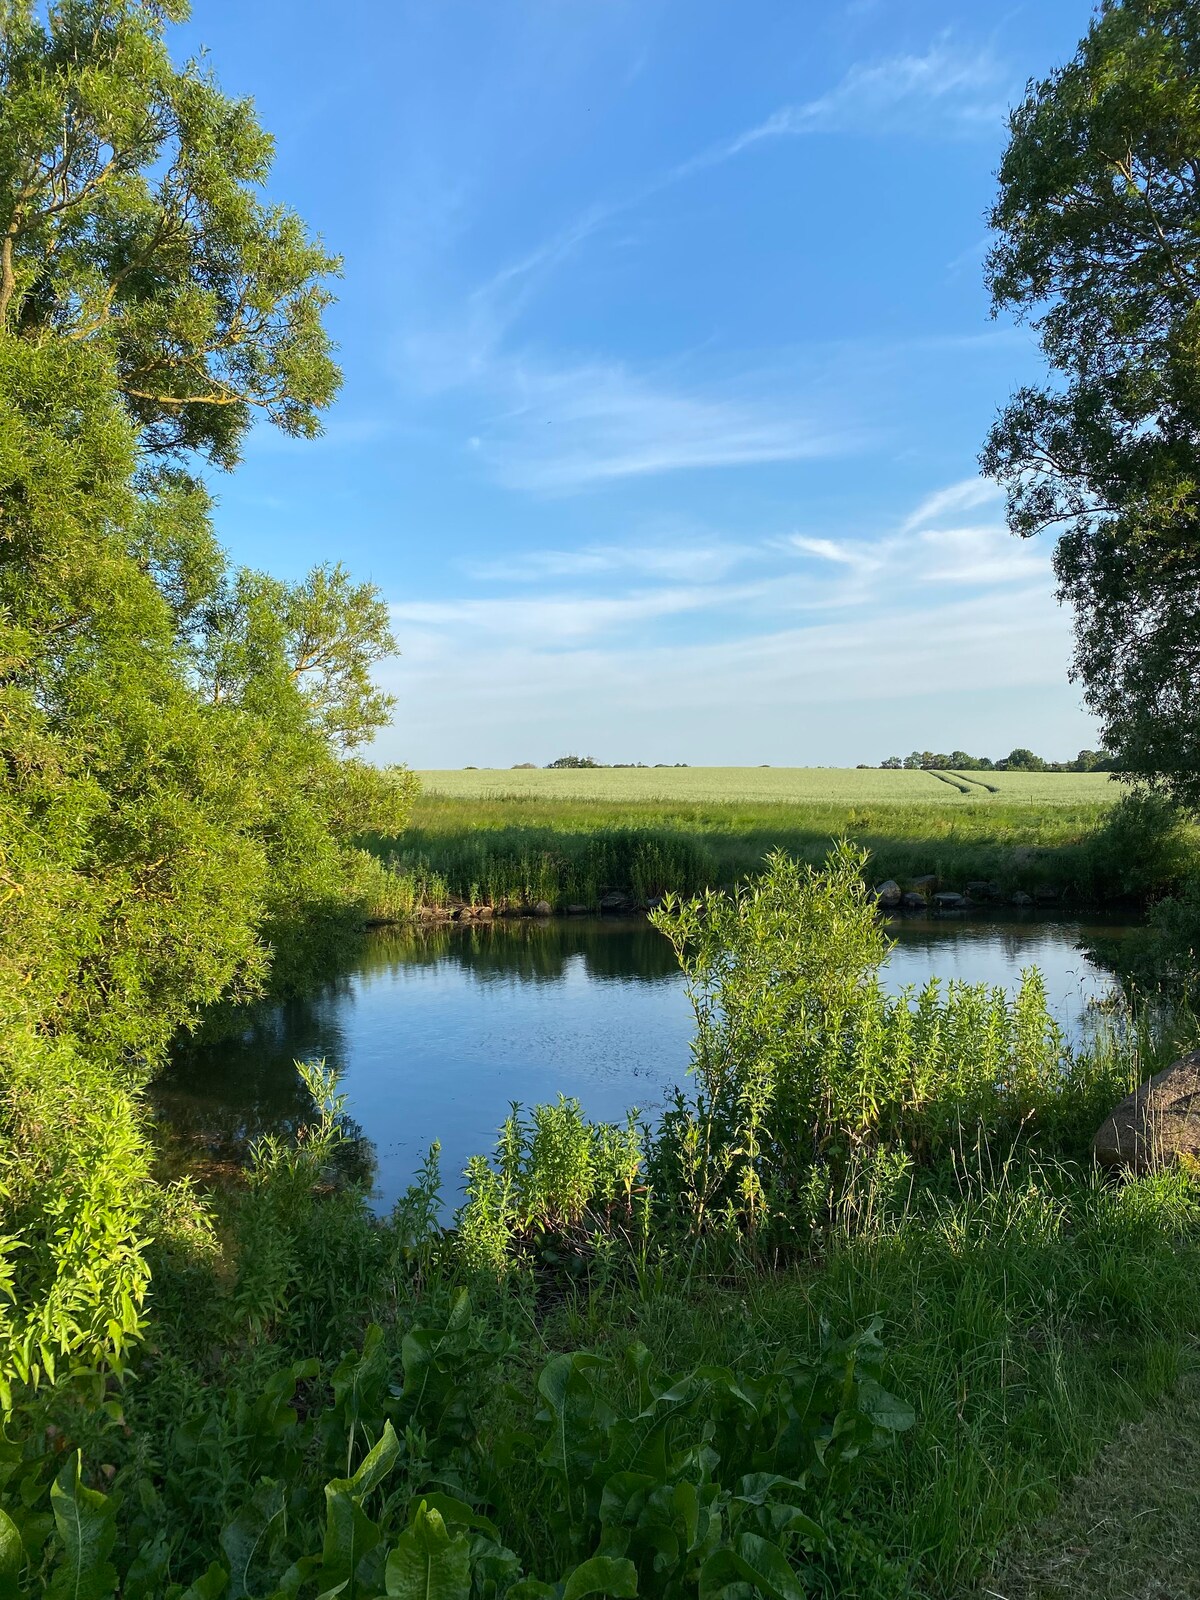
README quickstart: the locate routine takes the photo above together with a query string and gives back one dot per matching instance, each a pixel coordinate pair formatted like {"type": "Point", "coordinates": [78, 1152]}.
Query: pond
{"type": "Point", "coordinates": [437, 1028]}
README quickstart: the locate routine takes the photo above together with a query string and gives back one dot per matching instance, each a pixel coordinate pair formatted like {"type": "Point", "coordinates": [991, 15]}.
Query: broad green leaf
{"type": "Point", "coordinates": [12, 1558]}
{"type": "Point", "coordinates": [427, 1564]}
{"type": "Point", "coordinates": [349, 1534]}
{"type": "Point", "coordinates": [86, 1523]}
{"type": "Point", "coordinates": [885, 1409]}
{"type": "Point", "coordinates": [755, 1561]}
{"type": "Point", "coordinates": [209, 1586]}
{"type": "Point", "coordinates": [458, 1514]}
{"type": "Point", "coordinates": [250, 1533]}
{"type": "Point", "coordinates": [377, 1464]}
{"type": "Point", "coordinates": [602, 1575]}
{"type": "Point", "coordinates": [460, 1312]}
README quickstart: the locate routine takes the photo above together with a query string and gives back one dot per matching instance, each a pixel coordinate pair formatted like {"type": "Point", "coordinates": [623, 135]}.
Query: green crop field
{"type": "Point", "coordinates": [517, 837]}
{"type": "Point", "coordinates": [765, 785]}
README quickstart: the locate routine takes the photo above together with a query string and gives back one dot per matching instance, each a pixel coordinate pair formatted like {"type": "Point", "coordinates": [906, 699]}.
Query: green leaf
{"type": "Point", "coordinates": [883, 1408]}
{"type": "Point", "coordinates": [209, 1586]}
{"type": "Point", "coordinates": [427, 1564]}
{"type": "Point", "coordinates": [602, 1575]}
{"type": "Point", "coordinates": [250, 1533]}
{"type": "Point", "coordinates": [377, 1464]}
{"type": "Point", "coordinates": [12, 1558]}
{"type": "Point", "coordinates": [86, 1523]}
{"type": "Point", "coordinates": [349, 1534]}
{"type": "Point", "coordinates": [458, 1514]}
{"type": "Point", "coordinates": [460, 1312]}
{"type": "Point", "coordinates": [755, 1561]}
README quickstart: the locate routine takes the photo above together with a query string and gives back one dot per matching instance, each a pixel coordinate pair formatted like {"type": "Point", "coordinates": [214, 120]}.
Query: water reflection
{"type": "Point", "coordinates": [437, 1028]}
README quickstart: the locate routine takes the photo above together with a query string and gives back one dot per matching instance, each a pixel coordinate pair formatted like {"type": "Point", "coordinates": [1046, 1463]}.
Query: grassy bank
{"type": "Point", "coordinates": [840, 1323]}
{"type": "Point", "coordinates": [515, 850]}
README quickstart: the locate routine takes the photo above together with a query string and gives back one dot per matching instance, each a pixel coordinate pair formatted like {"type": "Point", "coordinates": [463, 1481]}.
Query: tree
{"type": "Point", "coordinates": [1098, 224]}
{"type": "Point", "coordinates": [1022, 760]}
{"type": "Point", "coordinates": [130, 218]}
{"type": "Point", "coordinates": [177, 809]}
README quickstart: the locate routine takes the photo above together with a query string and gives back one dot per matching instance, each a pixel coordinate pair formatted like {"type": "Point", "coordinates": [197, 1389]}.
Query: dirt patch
{"type": "Point", "coordinates": [1127, 1530]}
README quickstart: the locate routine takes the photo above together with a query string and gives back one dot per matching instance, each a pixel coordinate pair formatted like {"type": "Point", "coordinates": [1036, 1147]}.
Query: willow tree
{"type": "Point", "coordinates": [1098, 240]}
{"type": "Point", "coordinates": [175, 736]}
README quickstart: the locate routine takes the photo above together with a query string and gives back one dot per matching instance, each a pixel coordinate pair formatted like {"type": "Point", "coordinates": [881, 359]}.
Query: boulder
{"type": "Point", "coordinates": [914, 902]}
{"type": "Point", "coordinates": [614, 901]}
{"type": "Point", "coordinates": [1044, 895]}
{"type": "Point", "coordinates": [978, 890]}
{"type": "Point", "coordinates": [888, 894]}
{"type": "Point", "coordinates": [926, 884]}
{"type": "Point", "coordinates": [1158, 1123]}
{"type": "Point", "coordinates": [1020, 898]}
{"type": "Point", "coordinates": [948, 900]}
{"type": "Point", "coordinates": [543, 909]}
{"type": "Point", "coordinates": [577, 911]}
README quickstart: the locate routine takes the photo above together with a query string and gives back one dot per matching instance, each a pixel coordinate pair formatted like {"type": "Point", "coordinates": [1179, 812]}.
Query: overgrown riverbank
{"type": "Point", "coordinates": [837, 1324]}
{"type": "Point", "coordinates": [517, 853]}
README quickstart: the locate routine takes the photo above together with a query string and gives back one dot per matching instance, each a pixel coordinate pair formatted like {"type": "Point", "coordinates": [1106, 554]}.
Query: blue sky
{"type": "Point", "coordinates": [667, 361]}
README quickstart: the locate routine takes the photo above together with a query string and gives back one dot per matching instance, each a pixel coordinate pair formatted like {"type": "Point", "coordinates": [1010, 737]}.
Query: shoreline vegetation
{"type": "Point", "coordinates": [839, 1323]}
{"type": "Point", "coordinates": [619, 840]}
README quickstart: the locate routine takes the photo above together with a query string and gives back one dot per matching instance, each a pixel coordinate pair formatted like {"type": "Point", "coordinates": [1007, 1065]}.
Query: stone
{"type": "Point", "coordinates": [977, 889]}
{"type": "Point", "coordinates": [888, 894]}
{"type": "Point", "coordinates": [927, 883]}
{"type": "Point", "coordinates": [543, 909]}
{"type": "Point", "coordinates": [948, 900]}
{"type": "Point", "coordinates": [613, 901]}
{"type": "Point", "coordinates": [577, 911]}
{"type": "Point", "coordinates": [1156, 1124]}
{"type": "Point", "coordinates": [483, 912]}
{"type": "Point", "coordinates": [1020, 898]}
{"type": "Point", "coordinates": [1044, 895]}
{"type": "Point", "coordinates": [913, 901]}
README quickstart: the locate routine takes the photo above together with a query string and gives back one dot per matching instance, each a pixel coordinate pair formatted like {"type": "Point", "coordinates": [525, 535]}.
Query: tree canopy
{"type": "Point", "coordinates": [179, 794]}
{"type": "Point", "coordinates": [1098, 239]}
{"type": "Point", "coordinates": [130, 216]}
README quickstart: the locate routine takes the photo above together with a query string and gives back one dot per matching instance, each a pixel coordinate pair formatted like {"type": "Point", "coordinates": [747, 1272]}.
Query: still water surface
{"type": "Point", "coordinates": [436, 1029]}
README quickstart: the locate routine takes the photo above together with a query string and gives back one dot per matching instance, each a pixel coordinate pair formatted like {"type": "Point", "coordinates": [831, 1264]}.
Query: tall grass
{"type": "Point", "coordinates": [513, 854]}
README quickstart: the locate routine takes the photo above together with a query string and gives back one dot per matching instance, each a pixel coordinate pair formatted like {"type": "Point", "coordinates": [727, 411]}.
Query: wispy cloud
{"type": "Point", "coordinates": [978, 556]}
{"type": "Point", "coordinates": [573, 428]}
{"type": "Point", "coordinates": [556, 619]}
{"type": "Point", "coordinates": [814, 625]}
{"type": "Point", "coordinates": [843, 554]}
{"type": "Point", "coordinates": [566, 424]}
{"type": "Point", "coordinates": [965, 495]}
{"type": "Point", "coordinates": [947, 90]}
{"type": "Point", "coordinates": [675, 563]}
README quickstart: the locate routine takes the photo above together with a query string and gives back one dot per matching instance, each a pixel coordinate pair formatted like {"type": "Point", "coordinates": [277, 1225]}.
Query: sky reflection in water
{"type": "Point", "coordinates": [437, 1029]}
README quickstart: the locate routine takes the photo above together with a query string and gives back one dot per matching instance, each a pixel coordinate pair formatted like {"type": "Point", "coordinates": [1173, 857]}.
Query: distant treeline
{"type": "Point", "coordinates": [590, 761]}
{"type": "Point", "coordinates": [1016, 761]}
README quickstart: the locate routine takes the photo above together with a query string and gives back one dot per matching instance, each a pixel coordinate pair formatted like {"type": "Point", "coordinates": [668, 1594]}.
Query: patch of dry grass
{"type": "Point", "coordinates": [1129, 1529]}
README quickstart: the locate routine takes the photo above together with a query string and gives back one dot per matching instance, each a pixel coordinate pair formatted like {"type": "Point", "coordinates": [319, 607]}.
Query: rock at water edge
{"type": "Point", "coordinates": [1156, 1124]}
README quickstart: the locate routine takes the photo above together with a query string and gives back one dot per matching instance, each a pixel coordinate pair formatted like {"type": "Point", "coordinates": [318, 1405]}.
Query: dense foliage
{"type": "Point", "coordinates": [617, 1375]}
{"type": "Point", "coordinates": [172, 730]}
{"type": "Point", "coordinates": [177, 800]}
{"type": "Point", "coordinates": [1097, 237]}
